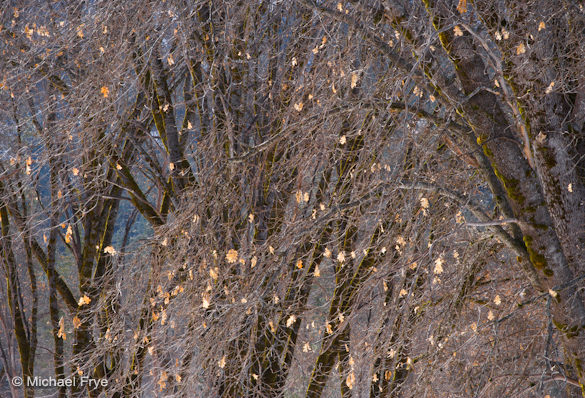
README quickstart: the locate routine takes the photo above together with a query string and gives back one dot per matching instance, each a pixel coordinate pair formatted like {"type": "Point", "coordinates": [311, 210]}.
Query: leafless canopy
{"type": "Point", "coordinates": [293, 198]}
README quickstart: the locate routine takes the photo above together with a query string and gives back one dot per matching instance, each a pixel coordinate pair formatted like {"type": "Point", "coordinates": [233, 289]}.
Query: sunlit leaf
{"type": "Point", "coordinates": [83, 300]}
{"type": "Point", "coordinates": [61, 332]}
{"type": "Point", "coordinates": [231, 256]}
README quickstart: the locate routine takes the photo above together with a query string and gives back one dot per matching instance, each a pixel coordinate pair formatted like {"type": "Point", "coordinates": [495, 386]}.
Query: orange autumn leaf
{"type": "Point", "coordinates": [61, 333]}
{"type": "Point", "coordinates": [83, 300]}
{"type": "Point", "coordinates": [462, 6]}
{"type": "Point", "coordinates": [231, 256]}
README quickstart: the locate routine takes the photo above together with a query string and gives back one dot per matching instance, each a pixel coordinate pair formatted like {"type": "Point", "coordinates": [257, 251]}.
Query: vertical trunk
{"type": "Point", "coordinates": [51, 276]}
{"type": "Point", "coordinates": [12, 290]}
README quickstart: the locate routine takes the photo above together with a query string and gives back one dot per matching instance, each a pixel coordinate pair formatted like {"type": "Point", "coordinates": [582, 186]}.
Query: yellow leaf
{"type": "Point", "coordinates": [170, 59]}
{"type": "Point", "coordinates": [553, 293]}
{"type": "Point", "coordinates": [329, 328]}
{"type": "Point", "coordinates": [490, 315]}
{"type": "Point", "coordinates": [439, 266]}
{"type": "Point", "coordinates": [497, 300]}
{"type": "Point", "coordinates": [110, 250]}
{"type": "Point", "coordinates": [350, 380]}
{"type": "Point", "coordinates": [75, 171]}
{"type": "Point", "coordinates": [76, 322]}
{"type": "Point", "coordinates": [231, 256]}
{"type": "Point", "coordinates": [549, 89]}
{"type": "Point", "coordinates": [105, 91]}
{"type": "Point", "coordinates": [342, 140]}
{"type": "Point", "coordinates": [61, 332]}
{"type": "Point", "coordinates": [300, 264]}
{"type": "Point", "coordinates": [299, 196]}
{"type": "Point", "coordinates": [83, 300]}
{"type": "Point", "coordinates": [171, 166]}
{"type": "Point", "coordinates": [221, 362]}
{"type": "Point", "coordinates": [520, 49]}
{"type": "Point", "coordinates": [327, 253]}
{"type": "Point", "coordinates": [253, 262]}
{"type": "Point", "coordinates": [299, 106]}
{"type": "Point", "coordinates": [290, 321]}
{"type": "Point", "coordinates": [354, 79]}
{"type": "Point", "coordinates": [317, 271]}
{"type": "Point", "coordinates": [459, 218]}
{"type": "Point", "coordinates": [400, 240]}
{"type": "Point", "coordinates": [462, 6]}
{"type": "Point", "coordinates": [541, 26]}
{"type": "Point", "coordinates": [162, 382]}
{"type": "Point", "coordinates": [403, 293]}
{"type": "Point", "coordinates": [213, 272]}
{"type": "Point", "coordinates": [457, 31]}
{"type": "Point", "coordinates": [205, 300]}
